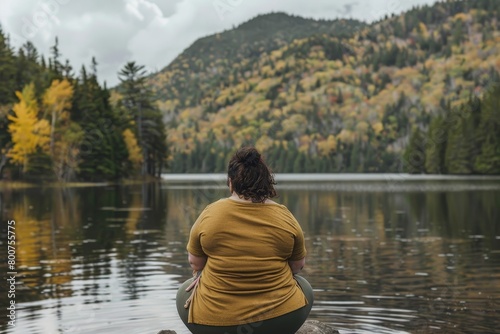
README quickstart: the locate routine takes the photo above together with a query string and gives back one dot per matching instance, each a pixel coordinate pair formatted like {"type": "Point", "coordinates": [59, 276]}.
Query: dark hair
{"type": "Point", "coordinates": [250, 176]}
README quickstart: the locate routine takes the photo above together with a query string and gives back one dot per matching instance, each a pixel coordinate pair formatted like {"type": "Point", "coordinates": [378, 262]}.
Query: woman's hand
{"type": "Point", "coordinates": [197, 263]}
{"type": "Point", "coordinates": [297, 266]}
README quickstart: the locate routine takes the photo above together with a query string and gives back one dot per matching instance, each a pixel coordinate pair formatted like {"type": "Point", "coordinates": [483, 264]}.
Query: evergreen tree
{"type": "Point", "coordinates": [459, 145]}
{"type": "Point", "coordinates": [27, 68]}
{"type": "Point", "coordinates": [340, 97]}
{"type": "Point", "coordinates": [57, 67]}
{"type": "Point", "coordinates": [458, 34]}
{"type": "Point", "coordinates": [414, 156]}
{"type": "Point", "coordinates": [67, 70]}
{"type": "Point", "coordinates": [149, 126]}
{"type": "Point", "coordinates": [7, 71]}
{"type": "Point", "coordinates": [355, 157]}
{"type": "Point", "coordinates": [488, 134]}
{"type": "Point", "coordinates": [299, 165]}
{"type": "Point", "coordinates": [103, 151]}
{"type": "Point", "coordinates": [5, 139]}
{"type": "Point", "coordinates": [436, 146]}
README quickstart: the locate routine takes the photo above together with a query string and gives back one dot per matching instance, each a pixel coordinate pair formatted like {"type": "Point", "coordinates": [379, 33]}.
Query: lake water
{"type": "Point", "coordinates": [386, 253]}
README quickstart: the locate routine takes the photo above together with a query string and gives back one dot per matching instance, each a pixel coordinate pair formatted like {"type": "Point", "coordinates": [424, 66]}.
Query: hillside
{"type": "Point", "coordinates": [316, 100]}
{"type": "Point", "coordinates": [213, 59]}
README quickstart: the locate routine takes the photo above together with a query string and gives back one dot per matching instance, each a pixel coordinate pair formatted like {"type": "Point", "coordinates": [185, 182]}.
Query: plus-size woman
{"type": "Point", "coordinates": [246, 250]}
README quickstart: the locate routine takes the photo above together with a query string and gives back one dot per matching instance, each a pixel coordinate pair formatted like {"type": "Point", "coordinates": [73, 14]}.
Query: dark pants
{"type": "Point", "coordinates": [287, 323]}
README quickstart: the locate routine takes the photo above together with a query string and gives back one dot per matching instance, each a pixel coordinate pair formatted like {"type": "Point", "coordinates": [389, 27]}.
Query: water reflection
{"type": "Point", "coordinates": [108, 259]}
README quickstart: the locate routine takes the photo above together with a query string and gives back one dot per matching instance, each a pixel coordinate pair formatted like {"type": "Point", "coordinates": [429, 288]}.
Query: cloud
{"type": "Point", "coordinates": [154, 32]}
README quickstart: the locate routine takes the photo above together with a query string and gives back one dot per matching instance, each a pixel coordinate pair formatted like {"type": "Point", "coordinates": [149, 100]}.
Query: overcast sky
{"type": "Point", "coordinates": [154, 32]}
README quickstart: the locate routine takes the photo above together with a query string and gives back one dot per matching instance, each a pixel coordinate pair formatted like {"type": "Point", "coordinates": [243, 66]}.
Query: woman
{"type": "Point", "coordinates": [248, 249]}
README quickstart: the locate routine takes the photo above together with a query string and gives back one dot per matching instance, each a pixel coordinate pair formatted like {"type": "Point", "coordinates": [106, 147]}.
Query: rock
{"type": "Point", "coordinates": [309, 327]}
{"type": "Point", "coordinates": [316, 327]}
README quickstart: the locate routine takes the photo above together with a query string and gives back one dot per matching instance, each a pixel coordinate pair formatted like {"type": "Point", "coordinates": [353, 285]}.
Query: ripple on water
{"type": "Point", "coordinates": [148, 309]}
{"type": "Point", "coordinates": [380, 260]}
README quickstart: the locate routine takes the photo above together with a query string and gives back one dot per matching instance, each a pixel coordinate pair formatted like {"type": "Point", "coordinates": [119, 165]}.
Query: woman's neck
{"type": "Point", "coordinates": [237, 197]}
{"type": "Point", "coordinates": [240, 198]}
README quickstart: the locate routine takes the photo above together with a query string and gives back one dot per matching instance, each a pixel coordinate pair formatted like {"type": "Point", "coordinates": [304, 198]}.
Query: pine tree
{"type": "Point", "coordinates": [7, 71]}
{"type": "Point", "coordinates": [56, 55]}
{"type": "Point", "coordinates": [150, 129]}
{"type": "Point", "coordinates": [299, 165]}
{"type": "Point", "coordinates": [103, 151]}
{"type": "Point", "coordinates": [459, 145]}
{"type": "Point", "coordinates": [355, 157]}
{"type": "Point", "coordinates": [488, 133]}
{"type": "Point", "coordinates": [414, 156]}
{"type": "Point", "coordinates": [435, 146]}
{"type": "Point", "coordinates": [27, 68]}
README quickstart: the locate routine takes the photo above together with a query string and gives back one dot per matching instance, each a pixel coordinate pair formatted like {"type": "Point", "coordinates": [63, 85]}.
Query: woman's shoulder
{"type": "Point", "coordinates": [234, 204]}
{"type": "Point", "coordinates": [217, 204]}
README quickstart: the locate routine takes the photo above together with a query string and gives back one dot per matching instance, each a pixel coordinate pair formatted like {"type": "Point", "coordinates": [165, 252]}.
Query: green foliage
{"type": "Point", "coordinates": [467, 140]}
{"type": "Point", "coordinates": [103, 153]}
{"type": "Point", "coordinates": [414, 156]}
{"type": "Point", "coordinates": [488, 132]}
{"type": "Point", "coordinates": [7, 71]}
{"type": "Point", "coordinates": [459, 144]}
{"type": "Point", "coordinates": [145, 119]}
{"type": "Point", "coordinates": [86, 130]}
{"type": "Point", "coordinates": [436, 146]}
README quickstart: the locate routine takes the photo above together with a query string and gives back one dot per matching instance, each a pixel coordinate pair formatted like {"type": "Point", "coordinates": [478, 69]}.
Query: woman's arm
{"type": "Point", "coordinates": [297, 266]}
{"type": "Point", "coordinates": [197, 262]}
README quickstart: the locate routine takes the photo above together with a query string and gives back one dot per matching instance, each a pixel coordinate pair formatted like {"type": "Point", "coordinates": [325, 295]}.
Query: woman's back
{"type": "Point", "coordinates": [247, 276]}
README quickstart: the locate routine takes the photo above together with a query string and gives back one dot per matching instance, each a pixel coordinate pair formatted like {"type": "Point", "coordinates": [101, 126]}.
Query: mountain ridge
{"type": "Point", "coordinates": [331, 102]}
{"type": "Point", "coordinates": [276, 21]}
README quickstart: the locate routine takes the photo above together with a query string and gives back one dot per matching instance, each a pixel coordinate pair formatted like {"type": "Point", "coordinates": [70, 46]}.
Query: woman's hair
{"type": "Point", "coordinates": [250, 176]}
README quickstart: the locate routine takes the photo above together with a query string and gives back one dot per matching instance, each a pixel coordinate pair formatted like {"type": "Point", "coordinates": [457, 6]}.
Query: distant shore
{"type": "Point", "coordinates": [332, 181]}
{"type": "Point", "coordinates": [317, 177]}
{"type": "Point", "coordinates": [355, 183]}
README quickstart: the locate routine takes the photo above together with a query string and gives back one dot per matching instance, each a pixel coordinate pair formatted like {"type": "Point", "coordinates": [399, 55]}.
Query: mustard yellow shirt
{"type": "Point", "coordinates": [247, 277]}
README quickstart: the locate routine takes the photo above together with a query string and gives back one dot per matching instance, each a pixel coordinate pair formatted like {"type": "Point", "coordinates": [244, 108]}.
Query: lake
{"type": "Point", "coordinates": [386, 253]}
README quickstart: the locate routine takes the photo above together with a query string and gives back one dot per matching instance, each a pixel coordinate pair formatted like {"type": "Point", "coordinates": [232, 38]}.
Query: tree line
{"type": "Point", "coordinates": [465, 140]}
{"type": "Point", "coordinates": [56, 125]}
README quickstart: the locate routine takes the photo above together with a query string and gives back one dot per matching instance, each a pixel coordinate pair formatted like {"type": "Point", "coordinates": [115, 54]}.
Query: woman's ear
{"type": "Point", "coordinates": [230, 186]}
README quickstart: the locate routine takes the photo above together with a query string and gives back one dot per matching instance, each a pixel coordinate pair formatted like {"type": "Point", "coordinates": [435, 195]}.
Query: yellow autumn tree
{"type": "Point", "coordinates": [134, 151]}
{"type": "Point", "coordinates": [328, 146]}
{"type": "Point", "coordinates": [66, 154]}
{"type": "Point", "coordinates": [28, 132]}
{"type": "Point", "coordinates": [65, 135]}
{"type": "Point", "coordinates": [57, 99]}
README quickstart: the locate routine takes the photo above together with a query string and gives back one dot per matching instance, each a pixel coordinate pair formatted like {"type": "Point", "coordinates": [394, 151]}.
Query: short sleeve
{"type": "Point", "coordinates": [299, 248]}
{"type": "Point", "coordinates": [194, 244]}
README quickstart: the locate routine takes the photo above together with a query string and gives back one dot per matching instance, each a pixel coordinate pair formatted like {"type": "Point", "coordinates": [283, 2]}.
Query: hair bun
{"type": "Point", "coordinates": [251, 159]}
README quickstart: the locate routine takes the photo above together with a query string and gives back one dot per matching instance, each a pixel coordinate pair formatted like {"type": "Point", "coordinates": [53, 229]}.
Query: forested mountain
{"type": "Point", "coordinates": [341, 96]}
{"type": "Point", "coordinates": [214, 59]}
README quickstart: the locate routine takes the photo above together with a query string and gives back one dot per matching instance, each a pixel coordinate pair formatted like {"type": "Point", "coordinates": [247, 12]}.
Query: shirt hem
{"type": "Point", "coordinates": [243, 322]}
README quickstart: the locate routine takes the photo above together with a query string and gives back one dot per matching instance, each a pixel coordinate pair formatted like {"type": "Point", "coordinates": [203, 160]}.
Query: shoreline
{"type": "Point", "coordinates": [283, 177]}
{"type": "Point", "coordinates": [324, 177]}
